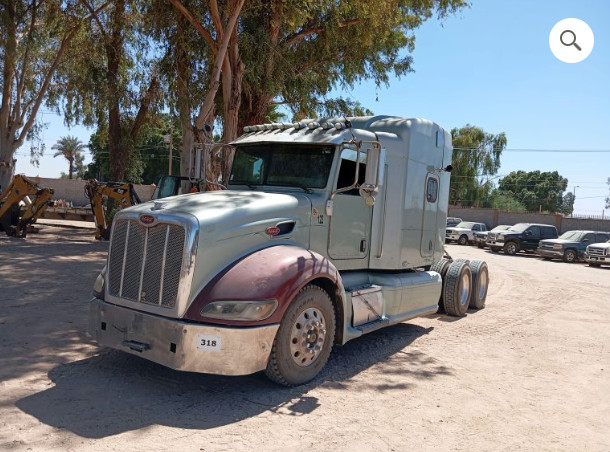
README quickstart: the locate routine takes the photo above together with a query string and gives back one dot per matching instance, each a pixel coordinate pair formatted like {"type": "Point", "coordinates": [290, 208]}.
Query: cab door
{"type": "Point", "coordinates": [350, 223]}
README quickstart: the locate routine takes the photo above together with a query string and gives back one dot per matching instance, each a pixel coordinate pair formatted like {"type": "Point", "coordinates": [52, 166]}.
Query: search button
{"type": "Point", "coordinates": [568, 44]}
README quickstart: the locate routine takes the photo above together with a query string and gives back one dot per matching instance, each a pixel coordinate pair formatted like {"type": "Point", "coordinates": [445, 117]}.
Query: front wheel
{"type": "Point", "coordinates": [304, 340]}
{"type": "Point", "coordinates": [511, 248]}
{"type": "Point", "coordinates": [569, 256]}
{"type": "Point", "coordinates": [463, 240]}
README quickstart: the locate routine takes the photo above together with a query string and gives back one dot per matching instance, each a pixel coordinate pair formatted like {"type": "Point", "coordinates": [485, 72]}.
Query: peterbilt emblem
{"type": "Point", "coordinates": [147, 220]}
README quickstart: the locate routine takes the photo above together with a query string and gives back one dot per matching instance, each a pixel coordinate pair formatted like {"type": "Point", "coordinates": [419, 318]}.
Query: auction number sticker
{"type": "Point", "coordinates": [208, 342]}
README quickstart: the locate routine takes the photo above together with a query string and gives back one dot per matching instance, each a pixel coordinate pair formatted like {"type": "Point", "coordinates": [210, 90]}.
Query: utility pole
{"type": "Point", "coordinates": [169, 140]}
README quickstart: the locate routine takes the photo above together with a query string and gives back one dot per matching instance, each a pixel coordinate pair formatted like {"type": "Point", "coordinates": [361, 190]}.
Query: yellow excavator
{"type": "Point", "coordinates": [13, 220]}
{"type": "Point", "coordinates": [123, 194]}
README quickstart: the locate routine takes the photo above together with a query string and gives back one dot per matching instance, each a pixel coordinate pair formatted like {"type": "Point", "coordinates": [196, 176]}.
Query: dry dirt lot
{"type": "Point", "coordinates": [529, 372]}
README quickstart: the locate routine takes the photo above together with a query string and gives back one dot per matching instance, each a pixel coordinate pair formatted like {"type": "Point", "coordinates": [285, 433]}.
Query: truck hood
{"type": "Point", "coordinates": [561, 241]}
{"type": "Point", "coordinates": [230, 209]}
{"type": "Point", "coordinates": [452, 229]}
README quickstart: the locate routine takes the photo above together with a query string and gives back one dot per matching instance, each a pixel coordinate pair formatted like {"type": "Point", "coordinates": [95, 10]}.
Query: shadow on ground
{"type": "Point", "coordinates": [116, 392]}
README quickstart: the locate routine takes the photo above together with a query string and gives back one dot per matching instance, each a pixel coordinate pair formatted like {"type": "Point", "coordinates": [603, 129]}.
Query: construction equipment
{"type": "Point", "coordinates": [123, 194]}
{"type": "Point", "coordinates": [13, 220]}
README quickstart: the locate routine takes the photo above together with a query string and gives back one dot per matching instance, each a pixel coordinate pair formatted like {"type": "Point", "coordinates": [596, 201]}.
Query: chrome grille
{"type": "Point", "coordinates": [546, 246]}
{"type": "Point", "coordinates": [596, 251]}
{"type": "Point", "coordinates": [145, 263]}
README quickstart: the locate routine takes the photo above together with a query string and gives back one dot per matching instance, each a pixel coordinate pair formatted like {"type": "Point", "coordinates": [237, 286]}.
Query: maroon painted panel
{"type": "Point", "coordinates": [275, 273]}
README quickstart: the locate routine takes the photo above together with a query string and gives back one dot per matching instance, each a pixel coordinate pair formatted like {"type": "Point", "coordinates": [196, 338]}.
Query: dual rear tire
{"type": "Point", "coordinates": [465, 285]}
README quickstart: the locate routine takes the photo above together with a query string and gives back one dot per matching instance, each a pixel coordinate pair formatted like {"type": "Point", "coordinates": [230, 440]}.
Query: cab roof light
{"type": "Point", "coordinates": [313, 125]}
{"type": "Point", "coordinates": [327, 125]}
{"type": "Point", "coordinates": [339, 125]}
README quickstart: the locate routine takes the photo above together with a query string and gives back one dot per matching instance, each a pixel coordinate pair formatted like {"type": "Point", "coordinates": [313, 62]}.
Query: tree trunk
{"type": "Point", "coordinates": [114, 52]}
{"type": "Point", "coordinates": [70, 168]}
{"type": "Point", "coordinates": [183, 73]}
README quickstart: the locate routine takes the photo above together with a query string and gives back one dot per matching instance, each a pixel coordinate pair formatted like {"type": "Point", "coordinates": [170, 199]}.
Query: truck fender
{"type": "Point", "coordinates": [274, 273]}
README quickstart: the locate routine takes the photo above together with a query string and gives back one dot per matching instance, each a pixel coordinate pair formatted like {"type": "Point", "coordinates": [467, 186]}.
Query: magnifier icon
{"type": "Point", "coordinates": [568, 44]}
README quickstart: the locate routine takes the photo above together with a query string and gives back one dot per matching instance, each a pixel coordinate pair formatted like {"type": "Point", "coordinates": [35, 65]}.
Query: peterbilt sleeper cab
{"type": "Point", "coordinates": [329, 229]}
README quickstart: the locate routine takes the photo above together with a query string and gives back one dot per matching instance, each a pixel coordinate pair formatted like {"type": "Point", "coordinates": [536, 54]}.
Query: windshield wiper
{"type": "Point", "coordinates": [243, 182]}
{"type": "Point", "coordinates": [294, 184]}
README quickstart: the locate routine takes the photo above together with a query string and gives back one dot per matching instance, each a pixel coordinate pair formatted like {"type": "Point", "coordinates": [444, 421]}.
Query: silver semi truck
{"type": "Point", "coordinates": [329, 229]}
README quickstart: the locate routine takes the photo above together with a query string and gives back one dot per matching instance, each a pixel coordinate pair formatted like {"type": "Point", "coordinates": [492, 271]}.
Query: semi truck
{"type": "Point", "coordinates": [329, 229]}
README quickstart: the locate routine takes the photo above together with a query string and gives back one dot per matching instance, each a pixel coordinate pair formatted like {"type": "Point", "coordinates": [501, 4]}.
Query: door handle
{"type": "Point", "coordinates": [363, 246]}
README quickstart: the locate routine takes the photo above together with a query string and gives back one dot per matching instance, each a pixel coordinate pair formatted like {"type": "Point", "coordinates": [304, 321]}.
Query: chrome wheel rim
{"type": "Point", "coordinates": [511, 248]}
{"type": "Point", "coordinates": [307, 337]}
{"type": "Point", "coordinates": [465, 289]}
{"type": "Point", "coordinates": [570, 256]}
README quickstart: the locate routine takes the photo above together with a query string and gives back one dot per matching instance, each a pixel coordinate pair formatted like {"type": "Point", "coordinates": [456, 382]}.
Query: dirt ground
{"type": "Point", "coordinates": [529, 372]}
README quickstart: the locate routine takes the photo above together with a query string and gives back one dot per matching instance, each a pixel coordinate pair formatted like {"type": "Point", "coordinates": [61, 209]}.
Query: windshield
{"type": "Point", "coordinates": [571, 235]}
{"type": "Point", "coordinates": [465, 225]}
{"type": "Point", "coordinates": [283, 165]}
{"type": "Point", "coordinates": [502, 227]}
{"type": "Point", "coordinates": [519, 227]}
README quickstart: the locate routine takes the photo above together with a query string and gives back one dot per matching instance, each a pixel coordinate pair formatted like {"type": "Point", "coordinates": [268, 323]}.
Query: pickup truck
{"type": "Point", "coordinates": [480, 237]}
{"type": "Point", "coordinates": [464, 232]}
{"type": "Point", "coordinates": [598, 254]}
{"type": "Point", "coordinates": [521, 237]}
{"type": "Point", "coordinates": [571, 245]}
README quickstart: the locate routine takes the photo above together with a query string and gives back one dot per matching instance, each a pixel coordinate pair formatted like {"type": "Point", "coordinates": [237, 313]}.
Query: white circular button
{"type": "Point", "coordinates": [571, 40]}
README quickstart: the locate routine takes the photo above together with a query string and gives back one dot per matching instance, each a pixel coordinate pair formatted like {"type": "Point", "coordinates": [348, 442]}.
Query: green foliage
{"type": "Point", "coordinates": [504, 202]}
{"type": "Point", "coordinates": [148, 161]}
{"type": "Point", "coordinates": [476, 158]}
{"type": "Point", "coordinates": [71, 149]}
{"type": "Point", "coordinates": [534, 189]}
{"type": "Point", "coordinates": [567, 204]}
{"type": "Point", "coordinates": [297, 52]}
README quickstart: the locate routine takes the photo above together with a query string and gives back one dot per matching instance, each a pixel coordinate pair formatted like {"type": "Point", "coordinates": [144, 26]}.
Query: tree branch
{"type": "Point", "coordinates": [195, 23]}
{"type": "Point", "coordinates": [144, 107]}
{"type": "Point", "coordinates": [298, 37]}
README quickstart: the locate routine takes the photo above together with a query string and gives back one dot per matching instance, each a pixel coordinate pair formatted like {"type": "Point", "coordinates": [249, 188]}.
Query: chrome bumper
{"type": "Point", "coordinates": [599, 259]}
{"type": "Point", "coordinates": [549, 253]}
{"type": "Point", "coordinates": [180, 345]}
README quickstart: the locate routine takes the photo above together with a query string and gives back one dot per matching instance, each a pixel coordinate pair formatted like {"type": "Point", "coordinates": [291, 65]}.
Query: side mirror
{"type": "Point", "coordinates": [368, 190]}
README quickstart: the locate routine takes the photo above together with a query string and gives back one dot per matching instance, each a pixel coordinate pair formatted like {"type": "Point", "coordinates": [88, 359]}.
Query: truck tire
{"type": "Point", "coordinates": [480, 283]}
{"type": "Point", "coordinates": [511, 248]}
{"type": "Point", "coordinates": [592, 264]}
{"type": "Point", "coordinates": [304, 340]}
{"type": "Point", "coordinates": [569, 256]}
{"type": "Point", "coordinates": [463, 240]}
{"type": "Point", "coordinates": [441, 267]}
{"type": "Point", "coordinates": [458, 288]}
{"type": "Point", "coordinates": [495, 249]}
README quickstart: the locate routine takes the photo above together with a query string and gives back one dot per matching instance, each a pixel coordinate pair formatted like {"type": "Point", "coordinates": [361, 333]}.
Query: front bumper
{"type": "Point", "coordinates": [597, 259]}
{"type": "Point", "coordinates": [182, 345]}
{"type": "Point", "coordinates": [542, 252]}
{"type": "Point", "coordinates": [495, 243]}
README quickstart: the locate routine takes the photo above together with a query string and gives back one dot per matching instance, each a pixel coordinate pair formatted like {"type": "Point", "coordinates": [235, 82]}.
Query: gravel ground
{"type": "Point", "coordinates": [529, 372]}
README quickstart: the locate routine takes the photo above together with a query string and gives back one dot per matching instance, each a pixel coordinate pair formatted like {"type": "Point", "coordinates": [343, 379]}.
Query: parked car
{"type": "Point", "coordinates": [571, 245]}
{"type": "Point", "coordinates": [480, 237]}
{"type": "Point", "coordinates": [521, 237]}
{"type": "Point", "coordinates": [464, 232]}
{"type": "Point", "coordinates": [598, 254]}
{"type": "Point", "coordinates": [453, 221]}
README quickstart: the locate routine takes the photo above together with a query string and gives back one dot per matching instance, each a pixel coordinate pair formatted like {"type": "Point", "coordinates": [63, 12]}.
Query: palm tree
{"type": "Point", "coordinates": [71, 148]}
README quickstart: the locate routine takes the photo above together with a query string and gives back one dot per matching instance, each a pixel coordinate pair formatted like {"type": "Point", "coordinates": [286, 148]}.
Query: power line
{"type": "Point", "coordinates": [577, 151]}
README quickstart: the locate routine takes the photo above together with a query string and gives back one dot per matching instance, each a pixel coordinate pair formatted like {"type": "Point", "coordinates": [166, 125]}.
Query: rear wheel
{"type": "Point", "coordinates": [480, 283]}
{"type": "Point", "coordinates": [569, 256]}
{"type": "Point", "coordinates": [591, 264]}
{"type": "Point", "coordinates": [457, 288]}
{"type": "Point", "coordinates": [304, 340]}
{"type": "Point", "coordinates": [441, 267]}
{"type": "Point", "coordinates": [495, 249]}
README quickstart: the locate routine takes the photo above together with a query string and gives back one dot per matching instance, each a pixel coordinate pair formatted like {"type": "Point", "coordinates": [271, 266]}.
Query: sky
{"type": "Point", "coordinates": [489, 65]}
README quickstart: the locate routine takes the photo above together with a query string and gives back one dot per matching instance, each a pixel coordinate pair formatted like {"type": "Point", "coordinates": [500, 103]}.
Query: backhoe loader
{"type": "Point", "coordinates": [15, 221]}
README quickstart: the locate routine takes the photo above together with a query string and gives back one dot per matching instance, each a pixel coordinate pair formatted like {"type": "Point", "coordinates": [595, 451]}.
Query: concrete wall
{"type": "Point", "coordinates": [73, 191]}
{"type": "Point", "coordinates": [494, 217]}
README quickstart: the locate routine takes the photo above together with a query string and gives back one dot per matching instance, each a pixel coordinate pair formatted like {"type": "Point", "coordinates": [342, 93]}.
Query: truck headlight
{"type": "Point", "coordinates": [100, 283]}
{"type": "Point", "coordinates": [239, 310]}
{"type": "Point", "coordinates": [558, 246]}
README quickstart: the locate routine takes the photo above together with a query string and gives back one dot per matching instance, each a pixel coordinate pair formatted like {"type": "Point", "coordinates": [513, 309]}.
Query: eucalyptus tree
{"type": "Point", "coordinates": [35, 36]}
{"type": "Point", "coordinates": [110, 80]}
{"type": "Point", "coordinates": [476, 160]}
